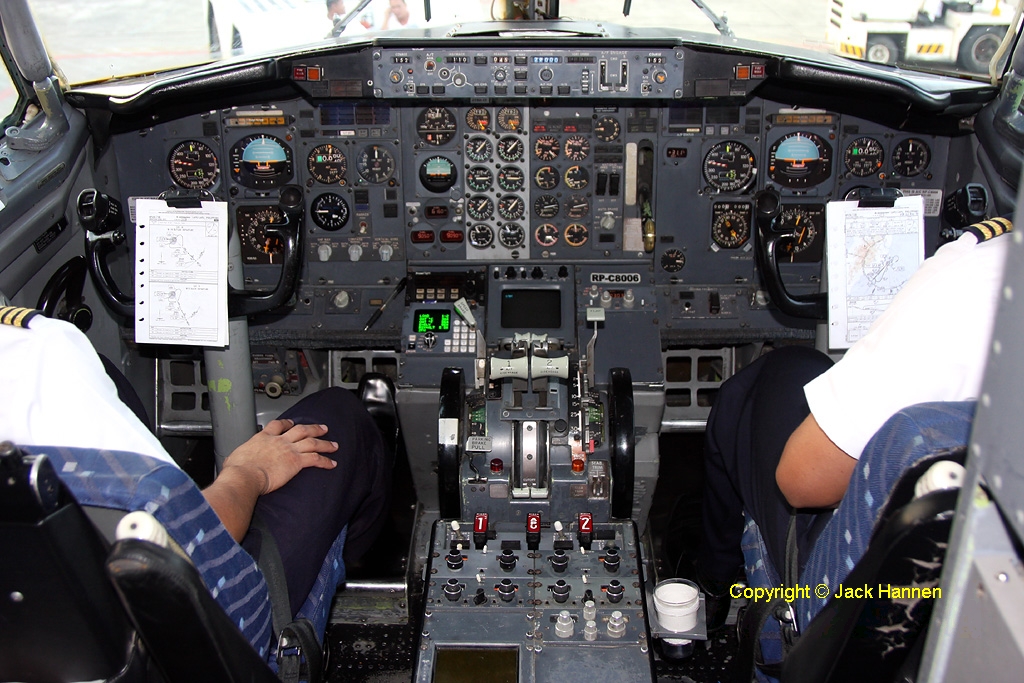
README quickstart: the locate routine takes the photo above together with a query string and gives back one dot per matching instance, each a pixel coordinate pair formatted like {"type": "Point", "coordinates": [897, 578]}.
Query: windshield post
{"type": "Point", "coordinates": [26, 47]}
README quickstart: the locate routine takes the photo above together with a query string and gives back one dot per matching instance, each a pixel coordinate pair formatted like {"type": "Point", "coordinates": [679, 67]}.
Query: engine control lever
{"type": "Point", "coordinates": [242, 302]}
{"type": "Point", "coordinates": [103, 219]}
{"type": "Point", "coordinates": [767, 209]}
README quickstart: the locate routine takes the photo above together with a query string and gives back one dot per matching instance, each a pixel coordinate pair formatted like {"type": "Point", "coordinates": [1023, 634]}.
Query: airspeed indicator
{"type": "Point", "coordinates": [729, 166]}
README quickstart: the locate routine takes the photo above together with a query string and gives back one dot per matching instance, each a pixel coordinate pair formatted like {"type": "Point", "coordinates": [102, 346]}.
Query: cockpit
{"type": "Point", "coordinates": [536, 239]}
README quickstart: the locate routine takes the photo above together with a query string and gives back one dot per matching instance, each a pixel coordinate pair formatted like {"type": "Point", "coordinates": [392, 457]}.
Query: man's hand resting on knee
{"type": "Point", "coordinates": [265, 463]}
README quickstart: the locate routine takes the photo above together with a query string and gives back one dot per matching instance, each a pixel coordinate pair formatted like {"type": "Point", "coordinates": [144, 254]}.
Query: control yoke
{"type": "Point", "coordinates": [103, 219]}
{"type": "Point", "coordinates": [767, 208]}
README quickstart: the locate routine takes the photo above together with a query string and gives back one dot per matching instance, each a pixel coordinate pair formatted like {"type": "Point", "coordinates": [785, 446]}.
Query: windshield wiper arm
{"type": "Point", "coordinates": [721, 24]}
{"type": "Point", "coordinates": [340, 24]}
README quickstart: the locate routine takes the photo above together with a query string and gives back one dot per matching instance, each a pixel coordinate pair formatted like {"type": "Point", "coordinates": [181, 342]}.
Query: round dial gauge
{"type": "Point", "coordinates": [261, 161]}
{"type": "Point", "coordinates": [327, 164]}
{"type": "Point", "coordinates": [510, 148]}
{"type": "Point", "coordinates": [800, 223]}
{"type": "Point", "coordinates": [193, 165]}
{"type": "Point", "coordinates": [729, 166]}
{"type": "Point", "coordinates": [511, 207]}
{"type": "Point", "coordinates": [509, 118]}
{"type": "Point", "coordinates": [910, 157]}
{"type": "Point", "coordinates": [673, 260]}
{"type": "Point", "coordinates": [511, 235]}
{"type": "Point", "coordinates": [511, 178]}
{"type": "Point", "coordinates": [576, 235]}
{"type": "Point", "coordinates": [481, 235]}
{"type": "Point", "coordinates": [577, 177]}
{"type": "Point", "coordinates": [438, 174]}
{"type": "Point", "coordinates": [479, 208]}
{"type": "Point", "coordinates": [577, 148]}
{"type": "Point", "coordinates": [375, 164]}
{"type": "Point", "coordinates": [478, 148]}
{"type": "Point", "coordinates": [546, 148]}
{"type": "Point", "coordinates": [436, 125]}
{"type": "Point", "coordinates": [478, 118]}
{"type": "Point", "coordinates": [607, 129]}
{"type": "Point", "coordinates": [546, 206]}
{"type": "Point", "coordinates": [546, 177]}
{"type": "Point", "coordinates": [577, 206]}
{"type": "Point", "coordinates": [329, 211]}
{"type": "Point", "coordinates": [864, 157]}
{"type": "Point", "coordinates": [257, 245]}
{"type": "Point", "coordinates": [800, 159]}
{"type": "Point", "coordinates": [546, 235]}
{"type": "Point", "coordinates": [479, 178]}
{"type": "Point", "coordinates": [730, 229]}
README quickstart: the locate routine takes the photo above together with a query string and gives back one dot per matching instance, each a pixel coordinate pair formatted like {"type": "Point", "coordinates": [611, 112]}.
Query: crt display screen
{"type": "Point", "coordinates": [427, 320]}
{"type": "Point", "coordinates": [471, 664]}
{"type": "Point", "coordinates": [531, 308]}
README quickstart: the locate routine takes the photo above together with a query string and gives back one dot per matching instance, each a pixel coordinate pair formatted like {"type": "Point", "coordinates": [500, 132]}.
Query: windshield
{"type": "Point", "coordinates": [103, 39]}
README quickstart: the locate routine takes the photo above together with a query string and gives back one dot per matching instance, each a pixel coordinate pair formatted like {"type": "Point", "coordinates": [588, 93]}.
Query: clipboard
{"type": "Point", "coordinates": [874, 245]}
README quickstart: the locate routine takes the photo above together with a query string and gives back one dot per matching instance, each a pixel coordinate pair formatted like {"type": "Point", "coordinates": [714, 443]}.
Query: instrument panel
{"type": "Point", "coordinates": [625, 163]}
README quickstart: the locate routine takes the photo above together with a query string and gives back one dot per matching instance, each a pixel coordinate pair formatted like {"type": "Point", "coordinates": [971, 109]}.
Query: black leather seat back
{"type": "Point", "coordinates": [61, 618]}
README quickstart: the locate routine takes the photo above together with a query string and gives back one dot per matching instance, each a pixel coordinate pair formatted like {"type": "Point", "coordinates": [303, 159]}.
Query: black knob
{"type": "Point", "coordinates": [559, 561]}
{"type": "Point", "coordinates": [611, 560]}
{"type": "Point", "coordinates": [507, 590]}
{"type": "Point", "coordinates": [560, 591]}
{"type": "Point", "coordinates": [480, 598]}
{"type": "Point", "coordinates": [454, 559]}
{"type": "Point", "coordinates": [615, 591]}
{"type": "Point", "coordinates": [453, 590]}
{"type": "Point", "coordinates": [507, 560]}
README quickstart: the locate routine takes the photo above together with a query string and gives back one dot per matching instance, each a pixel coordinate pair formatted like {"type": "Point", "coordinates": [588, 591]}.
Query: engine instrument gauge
{"type": "Point", "coordinates": [577, 206]}
{"type": "Point", "coordinates": [257, 245]}
{"type": "Point", "coordinates": [329, 211]}
{"type": "Point", "coordinates": [546, 177]}
{"type": "Point", "coordinates": [481, 235]}
{"type": "Point", "coordinates": [509, 118]}
{"type": "Point", "coordinates": [438, 174]}
{"type": "Point", "coordinates": [480, 208]}
{"type": "Point", "coordinates": [546, 148]}
{"type": "Point", "coordinates": [478, 118]}
{"type": "Point", "coordinates": [546, 206]}
{"type": "Point", "coordinates": [864, 157]}
{"type": "Point", "coordinates": [327, 164]}
{"type": "Point", "coordinates": [730, 224]}
{"type": "Point", "coordinates": [546, 235]}
{"type": "Point", "coordinates": [436, 125]}
{"type": "Point", "coordinates": [193, 165]}
{"type": "Point", "coordinates": [510, 148]}
{"type": "Point", "coordinates": [511, 207]}
{"type": "Point", "coordinates": [511, 235]}
{"type": "Point", "coordinates": [800, 159]}
{"type": "Point", "coordinates": [577, 177]}
{"type": "Point", "coordinates": [478, 148]}
{"type": "Point", "coordinates": [479, 178]}
{"type": "Point", "coordinates": [261, 161]}
{"type": "Point", "coordinates": [729, 166]}
{"type": "Point", "coordinates": [673, 260]}
{"type": "Point", "coordinates": [375, 164]}
{"type": "Point", "coordinates": [607, 129]}
{"type": "Point", "coordinates": [576, 235]}
{"type": "Point", "coordinates": [806, 222]}
{"type": "Point", "coordinates": [577, 148]}
{"type": "Point", "coordinates": [910, 157]}
{"type": "Point", "coordinates": [511, 178]}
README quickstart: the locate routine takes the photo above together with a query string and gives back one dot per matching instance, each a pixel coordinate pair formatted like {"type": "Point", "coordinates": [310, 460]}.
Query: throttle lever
{"type": "Point", "coordinates": [242, 302]}
{"type": "Point", "coordinates": [103, 218]}
{"type": "Point", "coordinates": [767, 209]}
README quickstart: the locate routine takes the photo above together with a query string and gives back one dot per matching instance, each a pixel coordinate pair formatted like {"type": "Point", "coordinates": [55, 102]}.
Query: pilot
{"type": "Point", "coordinates": [320, 467]}
{"type": "Point", "coordinates": [786, 431]}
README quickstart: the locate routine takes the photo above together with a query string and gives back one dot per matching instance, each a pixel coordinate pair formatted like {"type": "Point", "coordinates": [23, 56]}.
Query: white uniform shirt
{"type": "Point", "coordinates": [56, 393]}
{"type": "Point", "coordinates": [929, 345]}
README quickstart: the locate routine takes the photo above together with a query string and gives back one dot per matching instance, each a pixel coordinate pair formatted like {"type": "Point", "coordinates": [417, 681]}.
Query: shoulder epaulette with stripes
{"type": "Point", "coordinates": [993, 227]}
{"type": "Point", "coordinates": [17, 315]}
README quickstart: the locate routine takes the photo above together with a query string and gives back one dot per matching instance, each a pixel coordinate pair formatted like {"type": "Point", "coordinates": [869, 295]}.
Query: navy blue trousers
{"type": "Point", "coordinates": [756, 411]}
{"type": "Point", "coordinates": [306, 515]}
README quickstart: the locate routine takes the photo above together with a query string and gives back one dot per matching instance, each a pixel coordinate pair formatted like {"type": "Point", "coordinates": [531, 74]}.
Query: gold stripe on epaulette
{"type": "Point", "coordinates": [18, 316]}
{"type": "Point", "coordinates": [993, 227]}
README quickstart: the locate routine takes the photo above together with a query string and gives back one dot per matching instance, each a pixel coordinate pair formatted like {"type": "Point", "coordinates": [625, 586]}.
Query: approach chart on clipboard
{"type": "Point", "coordinates": [873, 249]}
